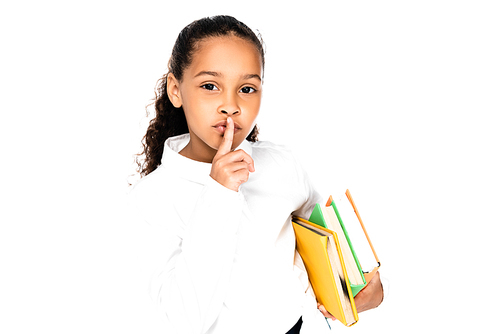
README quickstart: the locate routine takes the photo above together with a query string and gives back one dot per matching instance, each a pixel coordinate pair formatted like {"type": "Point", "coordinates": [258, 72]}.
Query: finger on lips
{"type": "Point", "coordinates": [229, 168]}
{"type": "Point", "coordinates": [226, 145]}
{"type": "Point", "coordinates": [227, 140]}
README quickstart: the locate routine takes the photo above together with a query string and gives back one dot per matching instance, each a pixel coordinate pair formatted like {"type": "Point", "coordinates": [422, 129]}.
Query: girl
{"type": "Point", "coordinates": [220, 200]}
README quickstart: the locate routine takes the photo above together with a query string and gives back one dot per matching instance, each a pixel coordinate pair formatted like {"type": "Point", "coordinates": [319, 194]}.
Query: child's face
{"type": "Point", "coordinates": [224, 79]}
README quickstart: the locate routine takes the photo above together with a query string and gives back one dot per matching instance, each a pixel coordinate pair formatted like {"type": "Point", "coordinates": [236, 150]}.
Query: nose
{"type": "Point", "coordinates": [230, 113]}
{"type": "Point", "coordinates": [229, 105]}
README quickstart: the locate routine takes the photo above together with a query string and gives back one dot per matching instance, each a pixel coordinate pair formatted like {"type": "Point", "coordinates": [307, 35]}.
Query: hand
{"type": "Point", "coordinates": [368, 298]}
{"type": "Point", "coordinates": [231, 169]}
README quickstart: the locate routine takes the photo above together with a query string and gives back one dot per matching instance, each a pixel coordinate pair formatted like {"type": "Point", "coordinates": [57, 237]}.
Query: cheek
{"type": "Point", "coordinates": [196, 111]}
{"type": "Point", "coordinates": [253, 109]}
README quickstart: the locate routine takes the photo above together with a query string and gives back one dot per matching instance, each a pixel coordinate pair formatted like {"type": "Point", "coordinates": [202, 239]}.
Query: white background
{"type": "Point", "coordinates": [396, 100]}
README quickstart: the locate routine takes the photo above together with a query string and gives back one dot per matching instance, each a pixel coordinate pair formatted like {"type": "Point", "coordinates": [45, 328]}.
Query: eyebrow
{"type": "Point", "coordinates": [211, 73]}
{"type": "Point", "coordinates": [252, 76]}
{"type": "Point", "coordinates": [218, 74]}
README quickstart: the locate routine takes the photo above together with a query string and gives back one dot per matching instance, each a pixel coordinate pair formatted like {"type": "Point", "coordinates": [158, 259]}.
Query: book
{"type": "Point", "coordinates": [361, 245]}
{"type": "Point", "coordinates": [362, 254]}
{"type": "Point", "coordinates": [338, 255]}
{"type": "Point", "coordinates": [322, 256]}
{"type": "Point", "coordinates": [328, 217]}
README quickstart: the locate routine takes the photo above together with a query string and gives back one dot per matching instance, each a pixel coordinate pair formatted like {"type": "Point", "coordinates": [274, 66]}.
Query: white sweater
{"type": "Point", "coordinates": [228, 258]}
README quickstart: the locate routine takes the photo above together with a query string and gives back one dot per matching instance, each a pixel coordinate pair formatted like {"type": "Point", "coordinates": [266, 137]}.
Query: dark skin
{"type": "Point", "coordinates": [368, 298]}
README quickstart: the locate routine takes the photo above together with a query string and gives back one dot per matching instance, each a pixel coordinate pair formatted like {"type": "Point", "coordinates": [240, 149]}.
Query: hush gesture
{"type": "Point", "coordinates": [231, 168]}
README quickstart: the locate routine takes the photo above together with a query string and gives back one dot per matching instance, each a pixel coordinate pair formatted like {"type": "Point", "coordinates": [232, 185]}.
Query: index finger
{"type": "Point", "coordinates": [227, 140]}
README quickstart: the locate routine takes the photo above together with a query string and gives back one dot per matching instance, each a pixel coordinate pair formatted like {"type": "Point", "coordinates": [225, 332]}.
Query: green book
{"type": "Point", "coordinates": [329, 217]}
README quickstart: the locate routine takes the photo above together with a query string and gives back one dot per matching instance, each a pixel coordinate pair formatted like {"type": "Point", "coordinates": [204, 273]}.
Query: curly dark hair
{"type": "Point", "coordinates": [170, 121]}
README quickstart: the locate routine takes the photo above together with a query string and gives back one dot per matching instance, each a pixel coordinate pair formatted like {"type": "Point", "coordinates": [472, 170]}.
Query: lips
{"type": "Point", "coordinates": [221, 127]}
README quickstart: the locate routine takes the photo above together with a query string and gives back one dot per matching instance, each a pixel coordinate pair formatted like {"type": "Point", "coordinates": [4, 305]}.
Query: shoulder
{"type": "Point", "coordinates": [152, 183]}
{"type": "Point", "coordinates": [153, 191]}
{"type": "Point", "coordinates": [280, 175]}
{"type": "Point", "coordinates": [276, 159]}
{"type": "Point", "coordinates": [269, 151]}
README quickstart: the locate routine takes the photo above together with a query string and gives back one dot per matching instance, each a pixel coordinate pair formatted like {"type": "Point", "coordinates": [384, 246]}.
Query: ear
{"type": "Point", "coordinates": [173, 91]}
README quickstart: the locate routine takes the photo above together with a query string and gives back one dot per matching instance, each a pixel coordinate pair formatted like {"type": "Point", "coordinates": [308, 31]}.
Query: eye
{"type": "Point", "coordinates": [248, 90]}
{"type": "Point", "coordinates": [209, 86]}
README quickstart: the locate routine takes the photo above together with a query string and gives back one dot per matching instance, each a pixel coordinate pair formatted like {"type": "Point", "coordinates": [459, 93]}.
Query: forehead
{"type": "Point", "coordinates": [226, 54]}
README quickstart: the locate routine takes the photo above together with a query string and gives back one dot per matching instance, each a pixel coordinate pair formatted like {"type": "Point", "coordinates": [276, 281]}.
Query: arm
{"type": "Point", "coordinates": [373, 294]}
{"type": "Point", "coordinates": [194, 248]}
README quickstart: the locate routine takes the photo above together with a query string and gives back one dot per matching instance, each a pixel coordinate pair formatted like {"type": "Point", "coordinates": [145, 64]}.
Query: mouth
{"type": "Point", "coordinates": [221, 127]}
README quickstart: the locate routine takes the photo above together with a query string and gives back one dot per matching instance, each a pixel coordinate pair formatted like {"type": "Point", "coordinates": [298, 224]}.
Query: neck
{"type": "Point", "coordinates": [192, 153]}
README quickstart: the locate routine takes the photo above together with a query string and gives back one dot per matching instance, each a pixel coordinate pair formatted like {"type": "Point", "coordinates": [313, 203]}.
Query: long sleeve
{"type": "Point", "coordinates": [199, 252]}
{"type": "Point", "coordinates": [225, 256]}
{"type": "Point", "coordinates": [307, 189]}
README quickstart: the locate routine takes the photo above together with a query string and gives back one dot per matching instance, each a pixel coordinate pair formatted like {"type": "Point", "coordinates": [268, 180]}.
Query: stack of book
{"type": "Point", "coordinates": [338, 255]}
